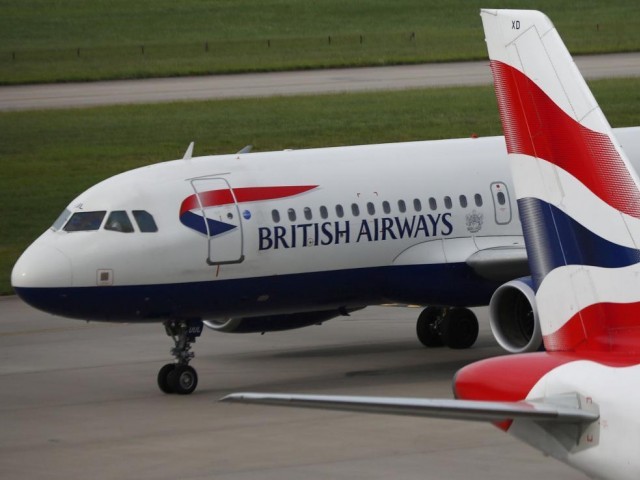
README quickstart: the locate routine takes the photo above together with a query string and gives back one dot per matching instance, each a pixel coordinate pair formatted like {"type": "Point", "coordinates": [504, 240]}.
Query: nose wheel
{"type": "Point", "coordinates": [180, 377]}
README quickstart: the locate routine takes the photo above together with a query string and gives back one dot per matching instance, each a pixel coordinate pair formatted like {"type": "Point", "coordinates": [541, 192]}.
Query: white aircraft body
{"type": "Point", "coordinates": [256, 242]}
{"type": "Point", "coordinates": [579, 203]}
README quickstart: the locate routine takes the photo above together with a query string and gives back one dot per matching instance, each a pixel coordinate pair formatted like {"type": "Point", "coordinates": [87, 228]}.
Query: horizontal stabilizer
{"type": "Point", "coordinates": [561, 412]}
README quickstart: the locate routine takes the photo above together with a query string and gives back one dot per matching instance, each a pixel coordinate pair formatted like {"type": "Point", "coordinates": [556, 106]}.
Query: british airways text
{"type": "Point", "coordinates": [347, 231]}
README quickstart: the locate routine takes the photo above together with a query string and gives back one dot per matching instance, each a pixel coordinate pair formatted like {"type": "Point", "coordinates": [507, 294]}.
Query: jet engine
{"type": "Point", "coordinates": [274, 323]}
{"type": "Point", "coordinates": [513, 317]}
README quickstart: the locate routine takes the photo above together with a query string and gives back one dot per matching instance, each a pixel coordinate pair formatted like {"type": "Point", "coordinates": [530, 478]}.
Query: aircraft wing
{"type": "Point", "coordinates": [562, 409]}
{"type": "Point", "coordinates": [500, 263]}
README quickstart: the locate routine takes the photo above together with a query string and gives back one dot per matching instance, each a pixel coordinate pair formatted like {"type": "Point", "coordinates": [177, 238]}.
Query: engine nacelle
{"type": "Point", "coordinates": [274, 323]}
{"type": "Point", "coordinates": [513, 317]}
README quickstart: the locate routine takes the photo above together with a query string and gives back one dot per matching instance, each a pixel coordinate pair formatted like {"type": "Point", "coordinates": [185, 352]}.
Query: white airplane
{"type": "Point", "coordinates": [579, 200]}
{"type": "Point", "coordinates": [257, 242]}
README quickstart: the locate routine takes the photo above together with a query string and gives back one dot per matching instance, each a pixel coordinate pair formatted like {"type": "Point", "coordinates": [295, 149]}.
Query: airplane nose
{"type": "Point", "coordinates": [41, 266]}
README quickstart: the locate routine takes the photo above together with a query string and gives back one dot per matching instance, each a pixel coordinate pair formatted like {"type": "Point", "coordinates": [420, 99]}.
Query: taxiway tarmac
{"type": "Point", "coordinates": [79, 400]}
{"type": "Point", "coordinates": [75, 95]}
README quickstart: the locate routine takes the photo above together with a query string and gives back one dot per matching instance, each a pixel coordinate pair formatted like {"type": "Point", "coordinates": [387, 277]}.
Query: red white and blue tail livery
{"type": "Point", "coordinates": [579, 205]}
{"type": "Point", "coordinates": [577, 193]}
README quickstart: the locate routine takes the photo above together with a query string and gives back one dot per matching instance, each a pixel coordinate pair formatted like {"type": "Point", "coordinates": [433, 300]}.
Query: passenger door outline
{"type": "Point", "coordinates": [221, 215]}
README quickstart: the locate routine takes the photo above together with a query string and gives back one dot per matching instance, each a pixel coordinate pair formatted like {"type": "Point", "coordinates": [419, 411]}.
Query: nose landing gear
{"type": "Point", "coordinates": [180, 377]}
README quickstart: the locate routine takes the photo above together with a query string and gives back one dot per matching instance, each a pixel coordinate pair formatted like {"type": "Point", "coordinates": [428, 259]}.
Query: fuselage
{"type": "Point", "coordinates": [280, 232]}
{"type": "Point", "coordinates": [606, 383]}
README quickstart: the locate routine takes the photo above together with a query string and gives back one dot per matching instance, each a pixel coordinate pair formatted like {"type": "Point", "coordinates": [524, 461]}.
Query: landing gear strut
{"type": "Point", "coordinates": [454, 327]}
{"type": "Point", "coordinates": [179, 377]}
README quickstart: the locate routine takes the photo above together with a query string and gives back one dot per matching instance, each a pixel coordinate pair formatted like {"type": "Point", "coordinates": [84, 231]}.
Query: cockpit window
{"type": "Point", "coordinates": [62, 219]}
{"type": "Point", "coordinates": [84, 221]}
{"type": "Point", "coordinates": [118, 221]}
{"type": "Point", "coordinates": [145, 221]}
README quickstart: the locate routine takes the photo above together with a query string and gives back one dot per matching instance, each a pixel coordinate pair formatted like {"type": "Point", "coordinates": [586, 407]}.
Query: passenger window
{"type": "Point", "coordinates": [417, 204]}
{"type": "Point", "coordinates": [433, 205]}
{"type": "Point", "coordinates": [84, 221]}
{"type": "Point", "coordinates": [478, 199]}
{"type": "Point", "coordinates": [275, 215]}
{"type": "Point", "coordinates": [355, 209]}
{"type": "Point", "coordinates": [145, 221]}
{"type": "Point", "coordinates": [402, 206]}
{"type": "Point", "coordinates": [371, 208]}
{"type": "Point", "coordinates": [118, 221]}
{"type": "Point", "coordinates": [61, 220]}
{"type": "Point", "coordinates": [307, 213]}
{"type": "Point", "coordinates": [448, 203]}
{"type": "Point", "coordinates": [292, 214]}
{"type": "Point", "coordinates": [386, 208]}
{"type": "Point", "coordinates": [323, 212]}
{"type": "Point", "coordinates": [339, 211]}
{"type": "Point", "coordinates": [501, 199]}
{"type": "Point", "coordinates": [463, 201]}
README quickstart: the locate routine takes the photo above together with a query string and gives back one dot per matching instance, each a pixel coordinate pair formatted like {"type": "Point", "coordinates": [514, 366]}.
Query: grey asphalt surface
{"type": "Point", "coordinates": [76, 95]}
{"type": "Point", "coordinates": [79, 400]}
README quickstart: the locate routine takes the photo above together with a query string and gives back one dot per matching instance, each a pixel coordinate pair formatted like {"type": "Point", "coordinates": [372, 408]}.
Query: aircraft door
{"type": "Point", "coordinates": [501, 203]}
{"type": "Point", "coordinates": [222, 220]}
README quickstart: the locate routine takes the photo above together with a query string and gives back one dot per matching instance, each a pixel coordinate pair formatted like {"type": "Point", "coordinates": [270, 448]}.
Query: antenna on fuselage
{"type": "Point", "coordinates": [189, 152]}
{"type": "Point", "coordinates": [246, 149]}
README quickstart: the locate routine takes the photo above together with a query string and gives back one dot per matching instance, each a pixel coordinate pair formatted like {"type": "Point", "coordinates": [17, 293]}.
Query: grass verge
{"type": "Point", "coordinates": [44, 41]}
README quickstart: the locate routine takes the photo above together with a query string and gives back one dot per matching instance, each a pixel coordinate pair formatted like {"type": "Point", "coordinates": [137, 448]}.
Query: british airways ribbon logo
{"type": "Point", "coordinates": [580, 214]}
{"type": "Point", "coordinates": [191, 209]}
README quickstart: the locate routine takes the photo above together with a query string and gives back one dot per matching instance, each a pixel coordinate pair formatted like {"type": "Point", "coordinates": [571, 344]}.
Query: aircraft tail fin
{"type": "Point", "coordinates": [578, 196]}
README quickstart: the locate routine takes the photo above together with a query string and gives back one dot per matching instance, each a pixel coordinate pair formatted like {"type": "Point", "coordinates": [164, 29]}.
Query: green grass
{"type": "Point", "coordinates": [45, 35]}
{"type": "Point", "coordinates": [49, 157]}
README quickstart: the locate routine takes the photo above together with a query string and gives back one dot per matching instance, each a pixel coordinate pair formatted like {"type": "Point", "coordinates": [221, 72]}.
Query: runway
{"type": "Point", "coordinates": [79, 400]}
{"type": "Point", "coordinates": [77, 95]}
